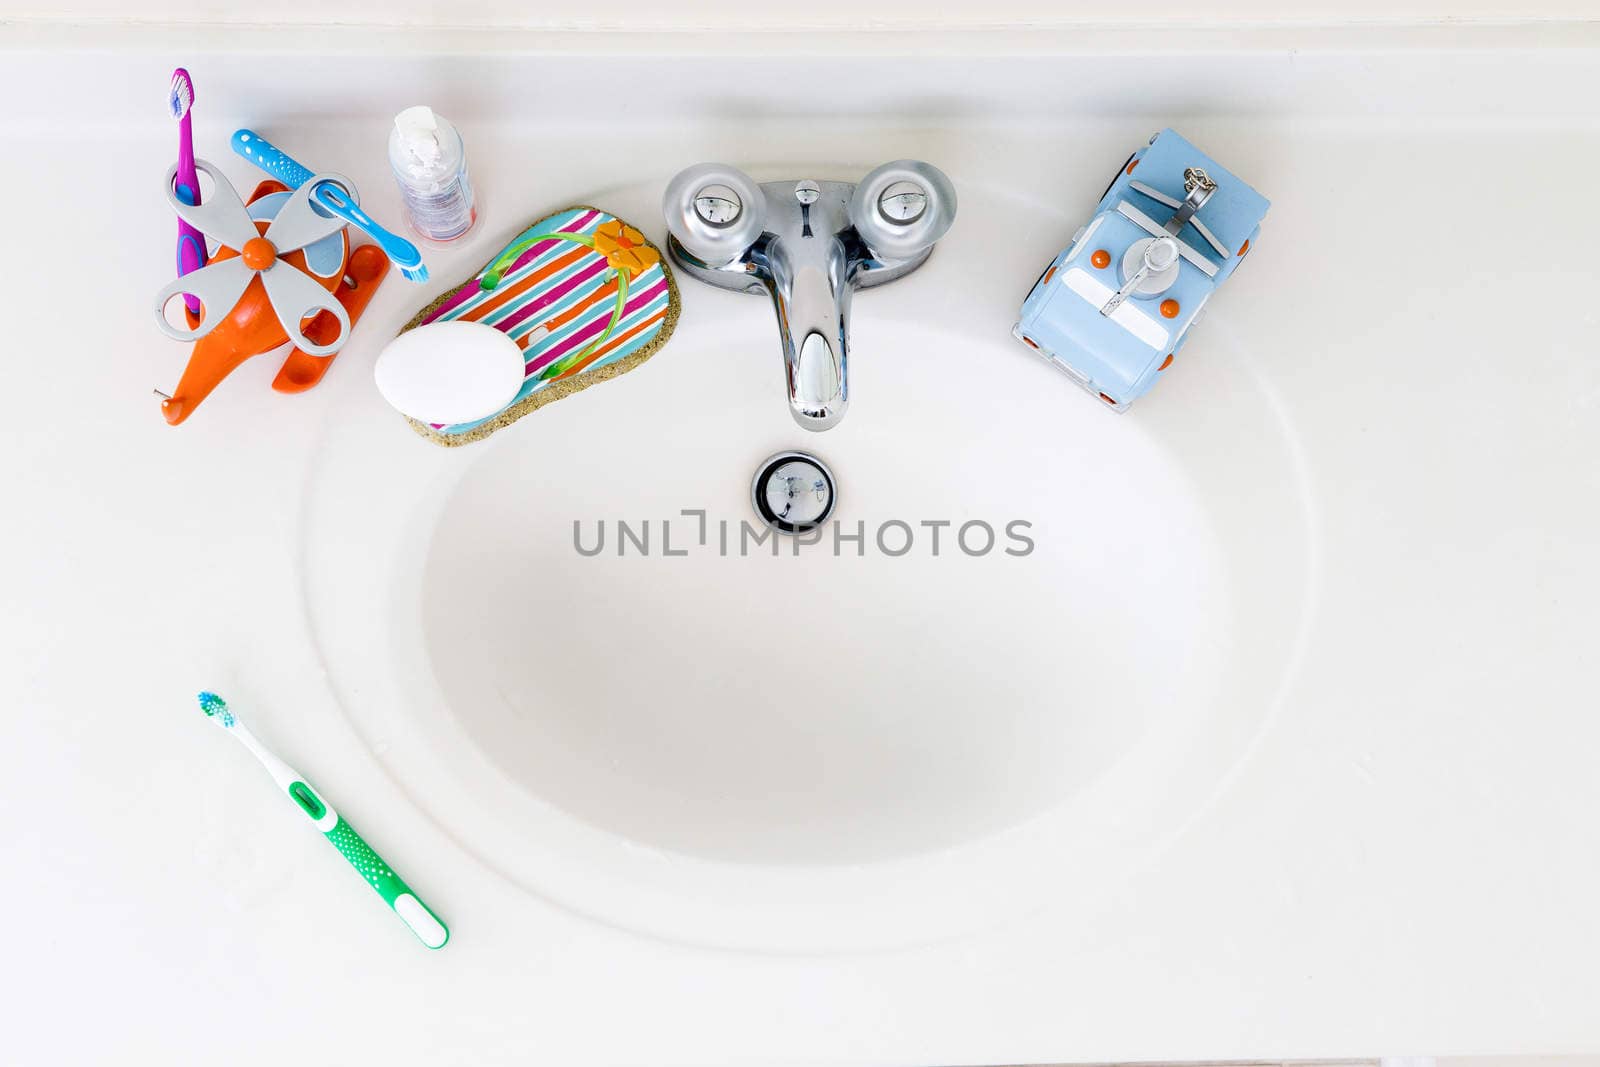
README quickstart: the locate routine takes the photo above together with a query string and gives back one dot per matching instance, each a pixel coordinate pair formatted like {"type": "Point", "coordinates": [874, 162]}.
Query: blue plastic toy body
{"type": "Point", "coordinates": [1113, 309]}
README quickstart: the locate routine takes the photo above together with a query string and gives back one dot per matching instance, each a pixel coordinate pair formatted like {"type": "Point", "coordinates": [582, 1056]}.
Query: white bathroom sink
{"type": "Point", "coordinates": [1282, 735]}
{"type": "Point", "coordinates": [850, 742]}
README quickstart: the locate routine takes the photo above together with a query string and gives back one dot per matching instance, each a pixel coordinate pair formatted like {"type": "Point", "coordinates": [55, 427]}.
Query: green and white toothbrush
{"type": "Point", "coordinates": [430, 930]}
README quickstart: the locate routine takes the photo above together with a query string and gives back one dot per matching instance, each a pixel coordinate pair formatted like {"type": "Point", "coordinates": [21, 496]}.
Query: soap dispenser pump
{"type": "Point", "coordinates": [429, 162]}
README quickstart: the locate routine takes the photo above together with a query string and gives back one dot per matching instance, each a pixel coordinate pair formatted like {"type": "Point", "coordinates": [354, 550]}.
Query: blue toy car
{"type": "Point", "coordinates": [1112, 310]}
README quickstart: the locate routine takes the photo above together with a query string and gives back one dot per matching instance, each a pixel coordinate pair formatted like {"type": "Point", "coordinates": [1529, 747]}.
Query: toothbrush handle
{"type": "Point", "coordinates": [270, 158]}
{"type": "Point", "coordinates": [336, 201]}
{"type": "Point", "coordinates": [191, 242]}
{"type": "Point", "coordinates": [428, 927]}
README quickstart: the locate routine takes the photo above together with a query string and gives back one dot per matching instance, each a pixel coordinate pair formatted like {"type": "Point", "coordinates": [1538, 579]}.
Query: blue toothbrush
{"type": "Point", "coordinates": [331, 198]}
{"type": "Point", "coordinates": [335, 199]}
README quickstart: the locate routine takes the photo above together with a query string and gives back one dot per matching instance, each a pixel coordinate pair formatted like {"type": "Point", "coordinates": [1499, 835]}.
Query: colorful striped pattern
{"type": "Point", "coordinates": [557, 298]}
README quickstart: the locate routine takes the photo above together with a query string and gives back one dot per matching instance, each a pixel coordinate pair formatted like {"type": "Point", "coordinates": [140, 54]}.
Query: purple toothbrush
{"type": "Point", "coordinates": [191, 243]}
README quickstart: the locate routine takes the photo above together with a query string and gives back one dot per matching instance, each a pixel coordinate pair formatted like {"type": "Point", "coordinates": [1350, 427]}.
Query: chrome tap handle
{"type": "Point", "coordinates": [715, 211]}
{"type": "Point", "coordinates": [903, 208]}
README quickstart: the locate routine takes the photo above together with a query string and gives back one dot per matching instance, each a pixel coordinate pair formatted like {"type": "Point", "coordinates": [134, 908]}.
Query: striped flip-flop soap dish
{"type": "Point", "coordinates": [585, 296]}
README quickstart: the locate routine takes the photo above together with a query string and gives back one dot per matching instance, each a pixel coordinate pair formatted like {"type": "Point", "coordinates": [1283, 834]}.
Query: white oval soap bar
{"type": "Point", "coordinates": [449, 372]}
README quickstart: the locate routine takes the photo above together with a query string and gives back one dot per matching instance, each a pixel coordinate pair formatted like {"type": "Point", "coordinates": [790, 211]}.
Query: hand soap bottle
{"type": "Point", "coordinates": [430, 166]}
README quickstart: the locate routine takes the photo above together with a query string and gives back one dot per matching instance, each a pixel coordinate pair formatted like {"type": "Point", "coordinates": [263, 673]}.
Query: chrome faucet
{"type": "Point", "coordinates": [808, 245]}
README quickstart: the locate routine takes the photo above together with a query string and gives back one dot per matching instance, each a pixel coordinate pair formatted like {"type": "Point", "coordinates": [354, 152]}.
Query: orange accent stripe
{"type": "Point", "coordinates": [1107, 399]}
{"type": "Point", "coordinates": [1051, 273]}
{"type": "Point", "coordinates": [503, 297]}
{"type": "Point", "coordinates": [551, 325]}
{"type": "Point", "coordinates": [1244, 248]}
{"type": "Point", "coordinates": [1165, 363]}
{"type": "Point", "coordinates": [1131, 164]}
{"type": "Point", "coordinates": [609, 289]}
{"type": "Point", "coordinates": [614, 343]}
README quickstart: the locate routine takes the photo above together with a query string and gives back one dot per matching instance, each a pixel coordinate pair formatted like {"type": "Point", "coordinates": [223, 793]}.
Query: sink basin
{"type": "Point", "coordinates": [846, 744]}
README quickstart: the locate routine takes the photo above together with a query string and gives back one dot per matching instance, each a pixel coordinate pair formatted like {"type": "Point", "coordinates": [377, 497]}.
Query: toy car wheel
{"type": "Point", "coordinates": [1117, 174]}
{"type": "Point", "coordinates": [1042, 273]}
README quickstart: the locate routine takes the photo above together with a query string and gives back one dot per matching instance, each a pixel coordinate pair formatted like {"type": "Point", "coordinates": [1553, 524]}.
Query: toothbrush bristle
{"type": "Point", "coordinates": [181, 96]}
{"type": "Point", "coordinates": [216, 708]}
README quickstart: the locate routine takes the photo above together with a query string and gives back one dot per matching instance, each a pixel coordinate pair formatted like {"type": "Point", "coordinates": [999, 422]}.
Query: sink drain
{"type": "Point", "coordinates": [793, 491]}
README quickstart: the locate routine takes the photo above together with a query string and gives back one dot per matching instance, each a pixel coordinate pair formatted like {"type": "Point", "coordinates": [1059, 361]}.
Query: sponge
{"type": "Point", "coordinates": [584, 295]}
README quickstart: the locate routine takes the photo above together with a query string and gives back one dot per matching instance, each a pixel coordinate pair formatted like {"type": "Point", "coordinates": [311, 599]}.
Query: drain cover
{"type": "Point", "coordinates": [793, 491]}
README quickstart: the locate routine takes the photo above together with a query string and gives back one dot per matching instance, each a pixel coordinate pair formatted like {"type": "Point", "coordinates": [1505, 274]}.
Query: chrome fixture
{"type": "Point", "coordinates": [808, 245]}
{"type": "Point", "coordinates": [1197, 188]}
{"type": "Point", "coordinates": [1151, 273]}
{"type": "Point", "coordinates": [793, 492]}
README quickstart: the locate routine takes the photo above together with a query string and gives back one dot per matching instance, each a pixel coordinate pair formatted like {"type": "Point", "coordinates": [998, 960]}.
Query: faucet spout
{"type": "Point", "coordinates": [811, 297]}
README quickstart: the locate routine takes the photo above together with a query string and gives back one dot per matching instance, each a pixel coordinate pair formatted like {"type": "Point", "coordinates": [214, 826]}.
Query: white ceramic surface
{"type": "Point", "coordinates": [828, 14]}
{"type": "Point", "coordinates": [1280, 744]}
{"type": "Point", "coordinates": [815, 750]}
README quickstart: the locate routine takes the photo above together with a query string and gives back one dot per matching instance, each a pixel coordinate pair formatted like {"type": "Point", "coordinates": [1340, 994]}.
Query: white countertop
{"type": "Point", "coordinates": [1413, 871]}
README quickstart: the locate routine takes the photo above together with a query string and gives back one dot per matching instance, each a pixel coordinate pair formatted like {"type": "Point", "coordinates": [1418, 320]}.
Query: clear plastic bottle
{"type": "Point", "coordinates": [430, 166]}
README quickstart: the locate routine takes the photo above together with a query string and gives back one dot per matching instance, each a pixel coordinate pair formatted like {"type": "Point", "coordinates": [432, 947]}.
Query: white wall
{"type": "Point", "coordinates": [775, 14]}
